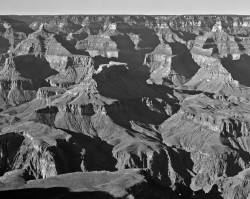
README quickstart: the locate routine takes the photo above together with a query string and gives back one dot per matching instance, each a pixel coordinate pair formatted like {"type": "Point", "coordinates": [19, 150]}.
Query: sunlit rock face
{"type": "Point", "coordinates": [99, 45]}
{"type": "Point", "coordinates": [125, 106]}
{"type": "Point", "coordinates": [170, 63]}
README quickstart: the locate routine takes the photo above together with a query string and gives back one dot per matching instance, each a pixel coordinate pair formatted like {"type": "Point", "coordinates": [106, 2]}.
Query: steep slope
{"type": "Point", "coordinates": [171, 63]}
{"type": "Point", "coordinates": [124, 106]}
{"type": "Point", "coordinates": [217, 139]}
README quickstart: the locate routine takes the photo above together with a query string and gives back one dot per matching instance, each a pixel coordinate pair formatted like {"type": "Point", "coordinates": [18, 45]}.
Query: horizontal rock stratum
{"type": "Point", "coordinates": [125, 106]}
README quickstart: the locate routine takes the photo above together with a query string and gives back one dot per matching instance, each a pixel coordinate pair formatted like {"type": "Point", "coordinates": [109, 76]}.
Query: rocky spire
{"type": "Point", "coordinates": [41, 27]}
{"type": "Point", "coordinates": [10, 61]}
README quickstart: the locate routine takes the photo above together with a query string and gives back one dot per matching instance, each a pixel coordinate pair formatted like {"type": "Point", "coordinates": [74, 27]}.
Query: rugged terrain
{"type": "Point", "coordinates": [125, 106]}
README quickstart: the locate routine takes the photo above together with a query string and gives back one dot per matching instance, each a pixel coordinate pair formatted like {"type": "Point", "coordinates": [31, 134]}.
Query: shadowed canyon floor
{"type": "Point", "coordinates": [125, 107]}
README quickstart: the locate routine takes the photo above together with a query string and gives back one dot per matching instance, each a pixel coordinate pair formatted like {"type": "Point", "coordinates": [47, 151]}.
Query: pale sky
{"type": "Point", "coordinates": [147, 7]}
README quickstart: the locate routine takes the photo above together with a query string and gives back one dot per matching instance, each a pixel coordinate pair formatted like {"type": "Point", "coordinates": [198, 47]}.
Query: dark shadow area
{"type": "Point", "coordinates": [212, 194]}
{"type": "Point", "coordinates": [210, 43]}
{"type": "Point", "coordinates": [182, 163]}
{"type": "Point", "coordinates": [237, 39]}
{"type": "Point", "coordinates": [194, 92]}
{"type": "Point", "coordinates": [135, 58]}
{"type": "Point", "coordinates": [127, 52]}
{"type": "Point", "coordinates": [241, 47]}
{"type": "Point", "coordinates": [18, 26]}
{"type": "Point", "coordinates": [9, 146]}
{"type": "Point", "coordinates": [48, 109]}
{"type": "Point", "coordinates": [124, 111]}
{"type": "Point", "coordinates": [53, 193]}
{"type": "Point", "coordinates": [98, 60]}
{"type": "Point", "coordinates": [80, 36]}
{"type": "Point", "coordinates": [46, 115]}
{"type": "Point", "coordinates": [95, 153]}
{"type": "Point", "coordinates": [183, 63]}
{"type": "Point", "coordinates": [157, 191]}
{"type": "Point", "coordinates": [69, 45]}
{"type": "Point", "coordinates": [35, 68]}
{"type": "Point", "coordinates": [141, 73]}
{"type": "Point", "coordinates": [123, 42]}
{"type": "Point", "coordinates": [94, 28]}
{"type": "Point", "coordinates": [239, 69]}
{"type": "Point", "coordinates": [148, 40]}
{"type": "Point", "coordinates": [185, 192]}
{"type": "Point", "coordinates": [233, 168]}
{"type": "Point", "coordinates": [233, 129]}
{"type": "Point", "coordinates": [4, 45]}
{"type": "Point", "coordinates": [118, 82]}
{"type": "Point", "coordinates": [2, 29]}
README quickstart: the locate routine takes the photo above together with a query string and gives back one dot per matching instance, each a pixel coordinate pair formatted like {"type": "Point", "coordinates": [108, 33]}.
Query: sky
{"type": "Point", "coordinates": [147, 7]}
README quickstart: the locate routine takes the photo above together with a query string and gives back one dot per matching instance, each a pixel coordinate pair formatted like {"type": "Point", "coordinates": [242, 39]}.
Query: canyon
{"type": "Point", "coordinates": [120, 106]}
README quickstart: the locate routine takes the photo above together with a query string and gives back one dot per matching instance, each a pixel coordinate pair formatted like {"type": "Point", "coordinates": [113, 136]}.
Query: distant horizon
{"type": "Point", "coordinates": [125, 7]}
{"type": "Point", "coordinates": [124, 14]}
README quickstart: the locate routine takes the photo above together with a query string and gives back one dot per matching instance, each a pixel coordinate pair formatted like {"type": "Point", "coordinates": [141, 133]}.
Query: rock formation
{"type": "Point", "coordinates": [124, 106]}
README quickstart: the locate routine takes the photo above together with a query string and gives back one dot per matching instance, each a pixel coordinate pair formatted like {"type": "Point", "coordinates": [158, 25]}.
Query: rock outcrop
{"type": "Point", "coordinates": [121, 184]}
{"type": "Point", "coordinates": [216, 141]}
{"type": "Point", "coordinates": [171, 63]}
{"type": "Point", "coordinates": [125, 106]}
{"type": "Point", "coordinates": [36, 149]}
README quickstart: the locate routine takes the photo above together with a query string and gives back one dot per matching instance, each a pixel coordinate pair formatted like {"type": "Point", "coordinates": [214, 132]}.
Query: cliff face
{"type": "Point", "coordinates": [125, 106]}
{"type": "Point", "coordinates": [171, 63]}
{"type": "Point", "coordinates": [216, 140]}
{"type": "Point", "coordinates": [34, 149]}
{"type": "Point", "coordinates": [73, 70]}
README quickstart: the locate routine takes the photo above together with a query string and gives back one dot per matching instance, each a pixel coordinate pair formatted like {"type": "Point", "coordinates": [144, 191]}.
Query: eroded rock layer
{"type": "Point", "coordinates": [125, 106]}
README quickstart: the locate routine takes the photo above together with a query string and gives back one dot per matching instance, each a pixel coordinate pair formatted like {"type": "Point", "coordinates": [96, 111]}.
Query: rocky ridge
{"type": "Point", "coordinates": [151, 106]}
